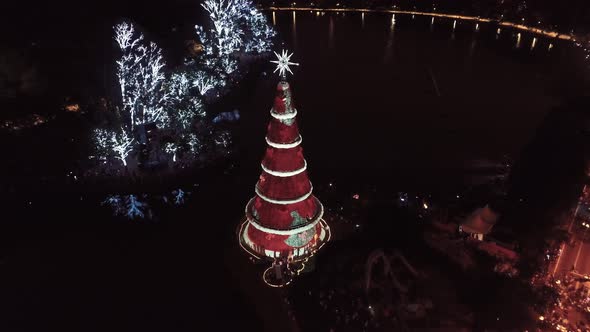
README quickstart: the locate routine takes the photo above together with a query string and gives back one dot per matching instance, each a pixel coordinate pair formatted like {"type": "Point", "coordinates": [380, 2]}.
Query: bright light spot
{"type": "Point", "coordinates": [283, 62]}
{"type": "Point", "coordinates": [72, 108]}
{"type": "Point", "coordinates": [425, 206]}
{"type": "Point", "coordinates": [541, 318]}
{"type": "Point", "coordinates": [558, 282]}
{"type": "Point", "coordinates": [356, 196]}
{"type": "Point", "coordinates": [357, 225]}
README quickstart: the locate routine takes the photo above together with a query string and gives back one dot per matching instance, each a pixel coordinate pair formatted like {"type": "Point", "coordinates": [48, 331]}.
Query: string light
{"type": "Point", "coordinates": [289, 232]}
{"type": "Point", "coordinates": [284, 116]}
{"type": "Point", "coordinates": [286, 201]}
{"type": "Point", "coordinates": [284, 174]}
{"type": "Point", "coordinates": [284, 145]}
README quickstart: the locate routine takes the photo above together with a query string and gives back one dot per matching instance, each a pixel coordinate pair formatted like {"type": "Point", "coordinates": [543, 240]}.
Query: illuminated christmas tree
{"type": "Point", "coordinates": [283, 221]}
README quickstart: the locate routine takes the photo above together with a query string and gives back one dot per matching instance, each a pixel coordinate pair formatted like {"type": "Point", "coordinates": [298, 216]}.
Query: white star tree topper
{"type": "Point", "coordinates": [283, 63]}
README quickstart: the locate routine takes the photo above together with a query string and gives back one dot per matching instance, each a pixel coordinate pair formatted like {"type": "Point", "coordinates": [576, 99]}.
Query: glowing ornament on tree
{"type": "Point", "coordinates": [283, 63]}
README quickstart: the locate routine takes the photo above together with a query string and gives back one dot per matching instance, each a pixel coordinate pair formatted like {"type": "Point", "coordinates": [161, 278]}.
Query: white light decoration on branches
{"type": "Point", "coordinates": [183, 106]}
{"type": "Point", "coordinates": [259, 38]}
{"type": "Point", "coordinates": [140, 75]}
{"type": "Point", "coordinates": [225, 36]}
{"type": "Point", "coordinates": [119, 144]}
{"type": "Point", "coordinates": [194, 143]}
{"type": "Point", "coordinates": [171, 148]}
{"type": "Point", "coordinates": [173, 102]}
{"type": "Point", "coordinates": [203, 82]}
{"type": "Point", "coordinates": [237, 26]}
{"type": "Point", "coordinates": [116, 203]}
{"type": "Point", "coordinates": [229, 65]}
{"type": "Point", "coordinates": [283, 62]}
{"type": "Point", "coordinates": [223, 139]}
{"type": "Point", "coordinates": [124, 35]}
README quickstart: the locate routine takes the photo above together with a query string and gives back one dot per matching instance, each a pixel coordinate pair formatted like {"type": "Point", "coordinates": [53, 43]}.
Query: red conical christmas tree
{"type": "Point", "coordinates": [284, 220]}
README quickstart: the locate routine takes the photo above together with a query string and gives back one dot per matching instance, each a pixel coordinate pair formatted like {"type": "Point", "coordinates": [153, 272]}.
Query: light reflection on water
{"type": "Point", "coordinates": [331, 32]}
{"type": "Point", "coordinates": [362, 20]}
{"type": "Point", "coordinates": [388, 55]}
{"type": "Point", "coordinates": [388, 50]}
{"type": "Point", "coordinates": [294, 29]}
{"type": "Point", "coordinates": [380, 74]}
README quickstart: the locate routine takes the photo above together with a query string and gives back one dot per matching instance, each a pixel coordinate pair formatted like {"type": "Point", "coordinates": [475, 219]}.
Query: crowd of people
{"type": "Point", "coordinates": [571, 311]}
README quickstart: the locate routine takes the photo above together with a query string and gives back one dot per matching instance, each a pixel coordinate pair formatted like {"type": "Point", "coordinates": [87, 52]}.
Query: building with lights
{"type": "Point", "coordinates": [479, 223]}
{"type": "Point", "coordinates": [283, 222]}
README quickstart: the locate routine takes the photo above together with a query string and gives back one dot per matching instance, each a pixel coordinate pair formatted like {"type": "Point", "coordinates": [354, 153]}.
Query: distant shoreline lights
{"type": "Point", "coordinates": [547, 33]}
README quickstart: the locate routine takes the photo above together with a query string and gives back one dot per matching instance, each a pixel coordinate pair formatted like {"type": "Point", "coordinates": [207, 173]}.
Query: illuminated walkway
{"type": "Point", "coordinates": [547, 33]}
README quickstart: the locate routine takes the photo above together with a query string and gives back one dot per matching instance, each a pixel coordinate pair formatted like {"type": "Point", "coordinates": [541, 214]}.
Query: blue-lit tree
{"type": "Point", "coordinates": [129, 206]}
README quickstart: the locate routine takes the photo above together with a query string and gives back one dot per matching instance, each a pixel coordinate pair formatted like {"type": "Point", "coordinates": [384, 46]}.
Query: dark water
{"type": "Point", "coordinates": [415, 101]}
